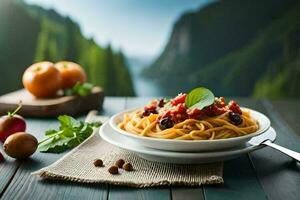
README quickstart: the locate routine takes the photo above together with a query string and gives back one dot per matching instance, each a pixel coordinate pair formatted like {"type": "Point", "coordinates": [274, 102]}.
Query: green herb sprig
{"type": "Point", "coordinates": [71, 133]}
{"type": "Point", "coordinates": [81, 89]}
{"type": "Point", "coordinates": [199, 98]}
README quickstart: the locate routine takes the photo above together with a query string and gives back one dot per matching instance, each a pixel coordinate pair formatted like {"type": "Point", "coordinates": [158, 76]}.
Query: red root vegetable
{"type": "Point", "coordinates": [10, 124]}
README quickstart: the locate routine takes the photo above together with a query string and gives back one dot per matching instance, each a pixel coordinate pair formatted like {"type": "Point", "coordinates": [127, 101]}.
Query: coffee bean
{"type": "Point", "coordinates": [113, 169]}
{"type": "Point", "coordinates": [98, 163]}
{"type": "Point", "coordinates": [120, 163]}
{"type": "Point", "coordinates": [128, 167]}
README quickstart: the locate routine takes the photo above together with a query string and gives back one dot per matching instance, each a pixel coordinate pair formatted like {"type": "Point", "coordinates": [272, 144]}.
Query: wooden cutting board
{"type": "Point", "coordinates": [33, 107]}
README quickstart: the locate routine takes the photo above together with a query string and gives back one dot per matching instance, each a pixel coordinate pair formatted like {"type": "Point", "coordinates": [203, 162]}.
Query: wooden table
{"type": "Point", "coordinates": [264, 174]}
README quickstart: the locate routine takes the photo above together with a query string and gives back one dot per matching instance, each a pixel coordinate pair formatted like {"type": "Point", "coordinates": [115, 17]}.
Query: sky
{"type": "Point", "coordinates": [141, 28]}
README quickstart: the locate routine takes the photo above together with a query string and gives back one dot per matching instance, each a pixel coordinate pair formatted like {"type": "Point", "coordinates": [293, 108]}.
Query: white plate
{"type": "Point", "coordinates": [191, 145]}
{"type": "Point", "coordinates": [111, 136]}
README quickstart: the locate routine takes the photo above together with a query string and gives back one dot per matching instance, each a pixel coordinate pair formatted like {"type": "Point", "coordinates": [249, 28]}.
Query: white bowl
{"type": "Point", "coordinates": [191, 145]}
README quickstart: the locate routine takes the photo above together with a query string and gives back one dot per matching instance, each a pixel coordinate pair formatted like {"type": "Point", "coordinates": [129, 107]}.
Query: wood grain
{"type": "Point", "coordinates": [124, 193]}
{"type": "Point", "coordinates": [185, 193]}
{"type": "Point", "coordinates": [7, 170]}
{"type": "Point", "coordinates": [289, 110]}
{"type": "Point", "coordinates": [278, 174]}
{"type": "Point", "coordinates": [240, 182]}
{"type": "Point", "coordinates": [26, 186]}
{"type": "Point", "coordinates": [33, 107]}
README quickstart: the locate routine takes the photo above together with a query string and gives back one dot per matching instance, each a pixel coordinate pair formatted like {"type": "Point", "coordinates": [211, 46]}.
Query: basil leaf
{"type": "Point", "coordinates": [199, 98]}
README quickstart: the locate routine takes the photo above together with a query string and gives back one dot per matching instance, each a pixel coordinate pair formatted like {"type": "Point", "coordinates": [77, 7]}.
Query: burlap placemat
{"type": "Point", "coordinates": [78, 166]}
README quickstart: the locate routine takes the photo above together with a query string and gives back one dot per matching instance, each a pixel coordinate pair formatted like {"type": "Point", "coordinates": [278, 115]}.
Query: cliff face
{"type": "Point", "coordinates": [210, 47]}
{"type": "Point", "coordinates": [31, 34]}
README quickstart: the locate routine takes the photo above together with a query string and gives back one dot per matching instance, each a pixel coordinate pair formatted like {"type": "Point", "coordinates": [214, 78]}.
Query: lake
{"type": "Point", "coordinates": [143, 86]}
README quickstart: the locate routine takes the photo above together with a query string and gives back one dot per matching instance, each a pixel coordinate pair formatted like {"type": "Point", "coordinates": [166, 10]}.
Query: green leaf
{"type": "Point", "coordinates": [68, 92]}
{"type": "Point", "coordinates": [74, 142]}
{"type": "Point", "coordinates": [199, 98]}
{"type": "Point", "coordinates": [55, 145]}
{"type": "Point", "coordinates": [95, 124]}
{"type": "Point", "coordinates": [67, 121]}
{"type": "Point", "coordinates": [67, 132]}
{"type": "Point", "coordinates": [50, 132]}
{"type": "Point", "coordinates": [53, 148]}
{"type": "Point", "coordinates": [82, 89]}
{"type": "Point", "coordinates": [71, 133]}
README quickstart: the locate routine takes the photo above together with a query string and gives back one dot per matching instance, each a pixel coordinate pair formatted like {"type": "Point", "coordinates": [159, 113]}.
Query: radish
{"type": "Point", "coordinates": [11, 123]}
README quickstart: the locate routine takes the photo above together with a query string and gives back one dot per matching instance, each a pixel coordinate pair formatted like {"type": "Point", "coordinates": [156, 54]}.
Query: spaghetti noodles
{"type": "Point", "coordinates": [176, 119]}
{"type": "Point", "coordinates": [219, 127]}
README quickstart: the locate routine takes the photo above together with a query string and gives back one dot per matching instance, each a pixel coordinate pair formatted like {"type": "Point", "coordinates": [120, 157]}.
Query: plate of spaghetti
{"type": "Point", "coordinates": [197, 121]}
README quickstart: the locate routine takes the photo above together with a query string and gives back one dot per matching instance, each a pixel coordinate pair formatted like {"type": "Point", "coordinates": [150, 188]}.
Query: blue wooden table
{"type": "Point", "coordinates": [263, 174]}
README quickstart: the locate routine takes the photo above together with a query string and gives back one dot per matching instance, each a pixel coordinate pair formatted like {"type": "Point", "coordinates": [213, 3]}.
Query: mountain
{"type": "Point", "coordinates": [236, 48]}
{"type": "Point", "coordinates": [31, 34]}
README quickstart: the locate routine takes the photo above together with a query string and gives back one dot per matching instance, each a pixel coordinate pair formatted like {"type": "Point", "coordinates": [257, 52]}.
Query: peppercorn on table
{"type": "Point", "coordinates": [263, 174]}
